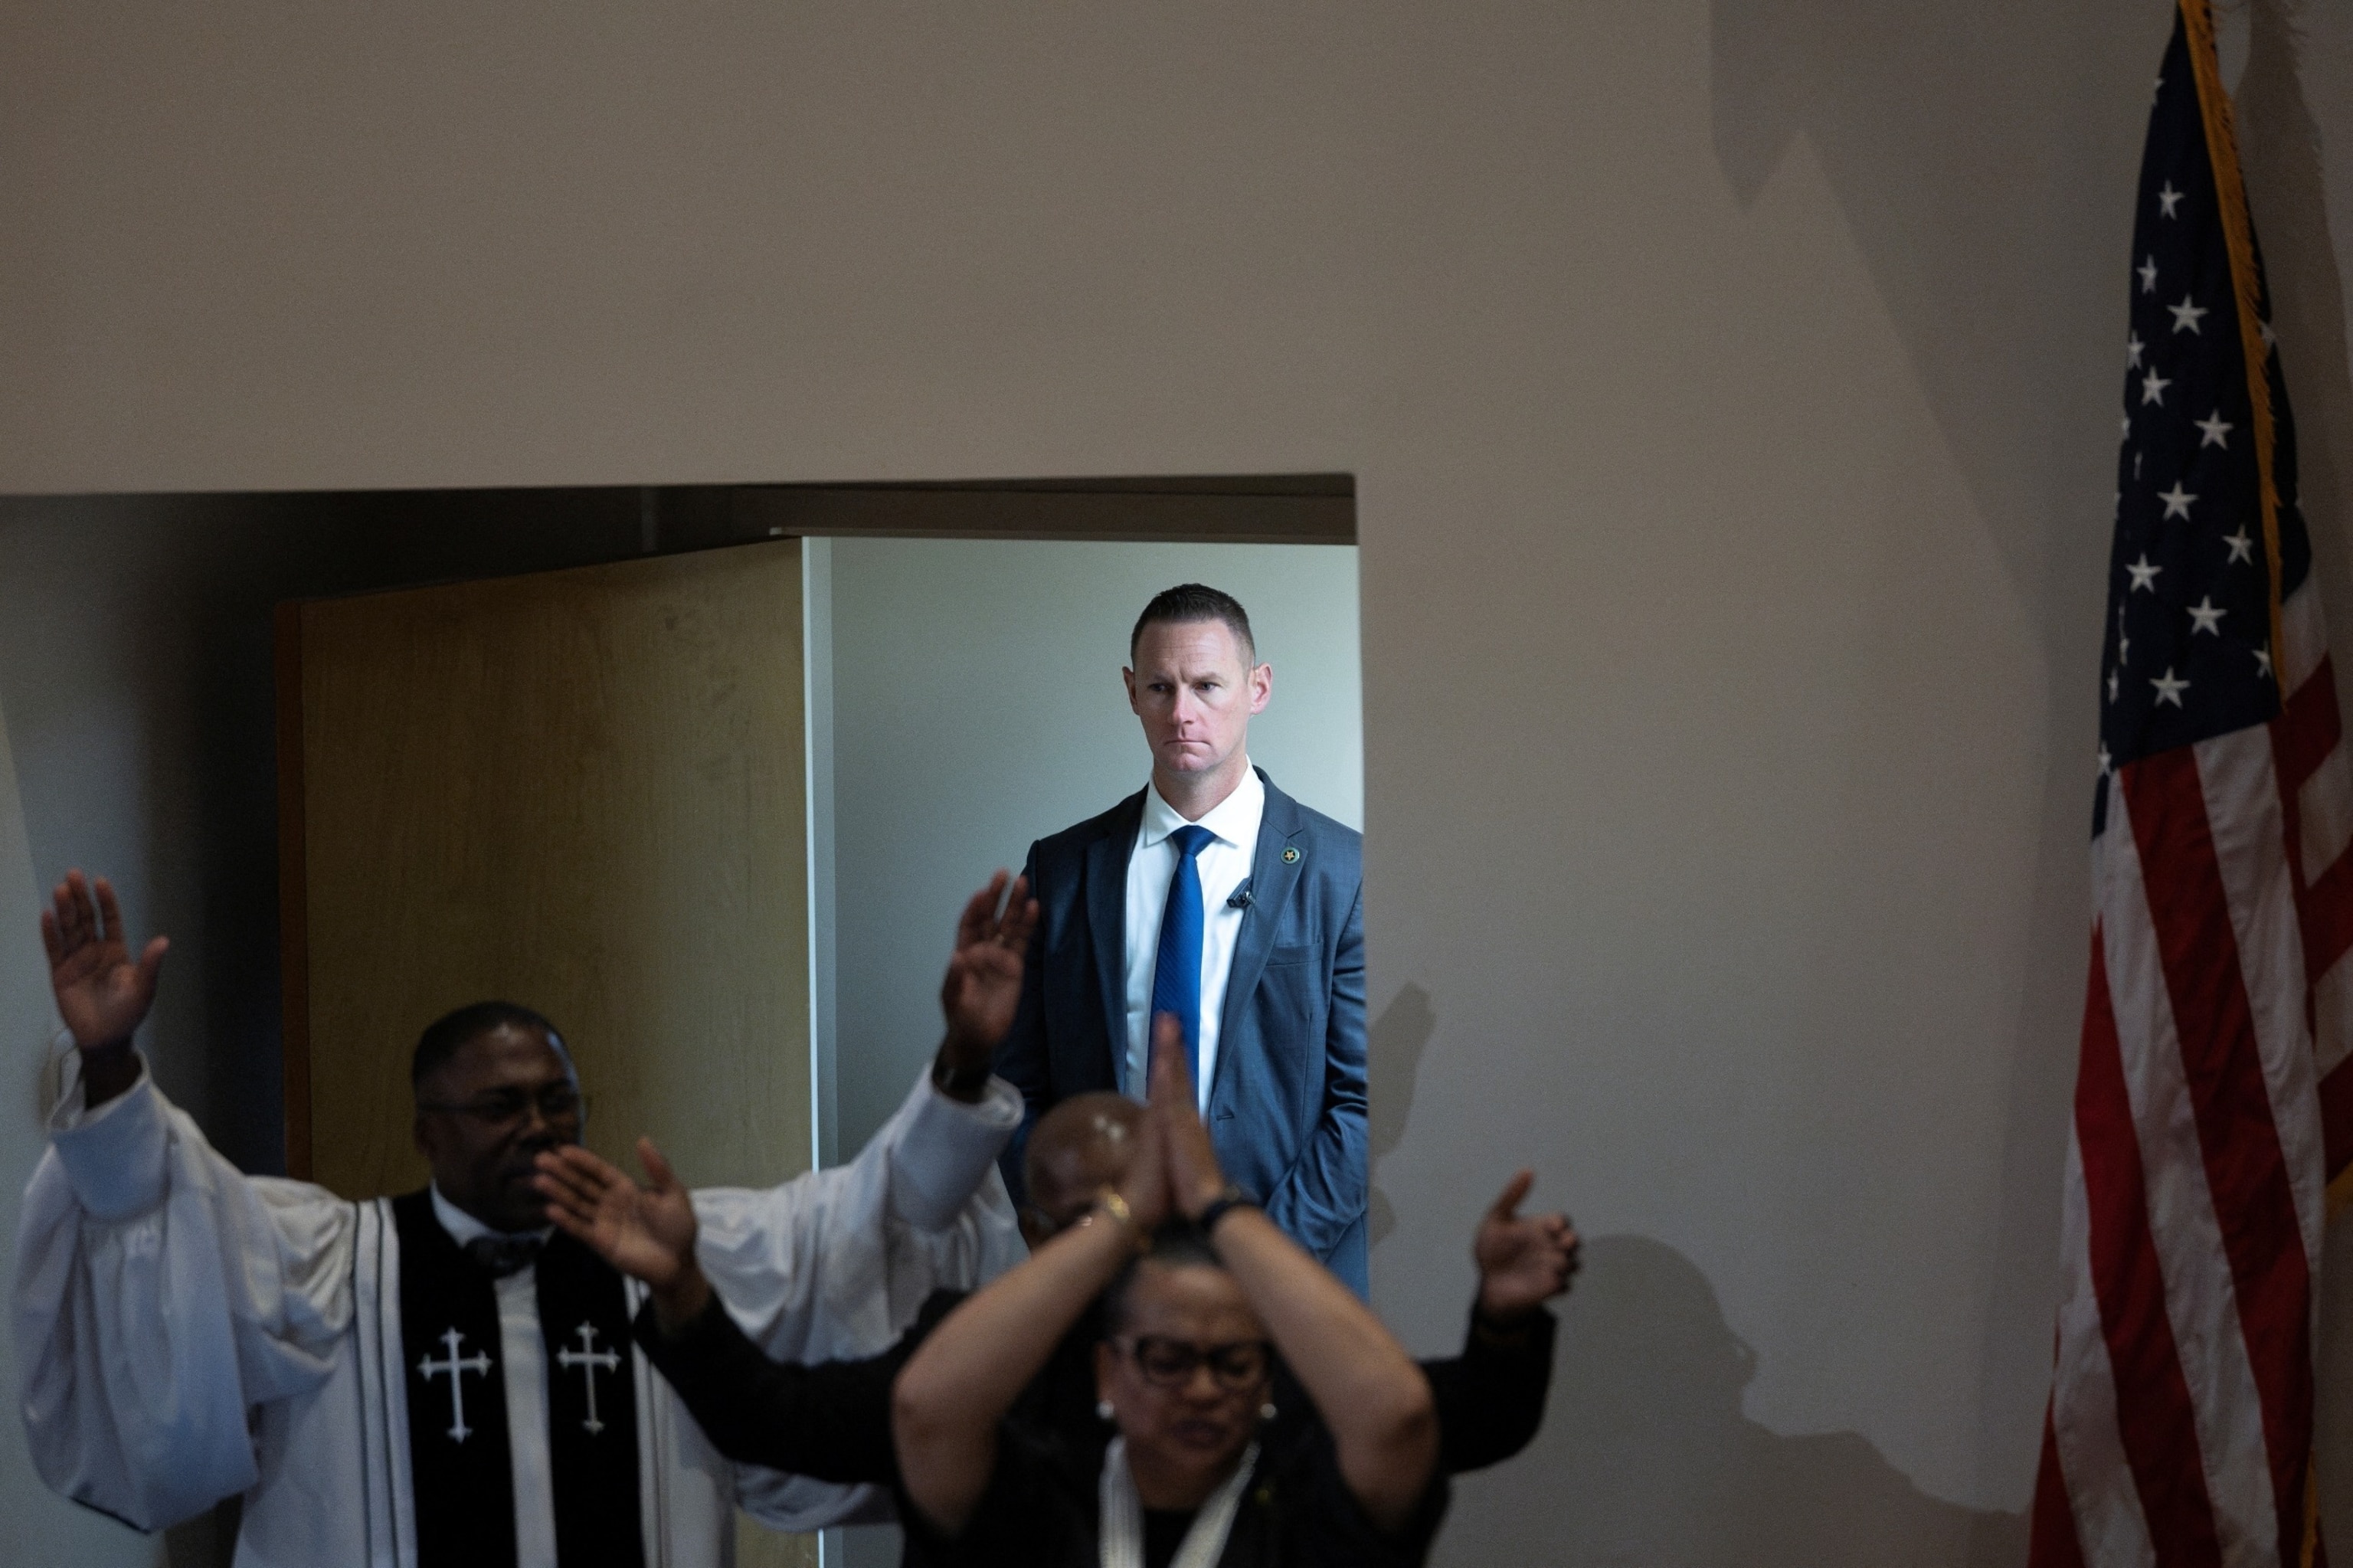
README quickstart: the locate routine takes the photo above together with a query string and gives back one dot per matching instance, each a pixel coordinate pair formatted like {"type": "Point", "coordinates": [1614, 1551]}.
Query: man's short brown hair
{"type": "Point", "coordinates": [1191, 602]}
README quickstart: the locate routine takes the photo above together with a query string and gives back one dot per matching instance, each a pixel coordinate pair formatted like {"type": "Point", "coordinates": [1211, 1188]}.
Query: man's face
{"type": "Point", "coordinates": [487, 1113]}
{"type": "Point", "coordinates": [1194, 689]}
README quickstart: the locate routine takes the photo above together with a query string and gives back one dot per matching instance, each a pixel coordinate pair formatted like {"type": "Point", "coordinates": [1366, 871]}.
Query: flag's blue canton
{"type": "Point", "coordinates": [2188, 650]}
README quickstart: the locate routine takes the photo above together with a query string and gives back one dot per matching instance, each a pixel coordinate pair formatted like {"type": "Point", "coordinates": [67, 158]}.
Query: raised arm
{"type": "Point", "coordinates": [160, 1295]}
{"type": "Point", "coordinates": [945, 1409]}
{"type": "Point", "coordinates": [1371, 1396]}
{"type": "Point", "coordinates": [1490, 1398]}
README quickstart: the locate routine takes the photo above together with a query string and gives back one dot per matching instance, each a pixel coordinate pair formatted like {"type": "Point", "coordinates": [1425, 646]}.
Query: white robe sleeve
{"type": "Point", "coordinates": [161, 1294]}
{"type": "Point", "coordinates": [837, 1263]}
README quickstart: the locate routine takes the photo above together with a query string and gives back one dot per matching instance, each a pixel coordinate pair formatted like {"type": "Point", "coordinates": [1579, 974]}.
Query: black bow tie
{"type": "Point", "coordinates": [503, 1255]}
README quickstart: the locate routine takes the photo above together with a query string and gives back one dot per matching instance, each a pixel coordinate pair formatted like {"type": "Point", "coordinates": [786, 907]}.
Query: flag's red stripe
{"type": "Point", "coordinates": [2327, 915]}
{"type": "Point", "coordinates": [2337, 1117]}
{"type": "Point", "coordinates": [2245, 1169]}
{"type": "Point", "coordinates": [2052, 1543]}
{"type": "Point", "coordinates": [2307, 729]}
{"type": "Point", "coordinates": [2154, 1418]}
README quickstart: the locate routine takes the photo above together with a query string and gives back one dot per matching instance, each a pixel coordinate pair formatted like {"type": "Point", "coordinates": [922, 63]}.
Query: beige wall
{"type": "Point", "coordinates": [1730, 389]}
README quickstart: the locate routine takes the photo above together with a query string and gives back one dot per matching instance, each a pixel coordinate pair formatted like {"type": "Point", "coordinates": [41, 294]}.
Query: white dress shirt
{"type": "Point", "coordinates": [523, 1355]}
{"type": "Point", "coordinates": [1225, 864]}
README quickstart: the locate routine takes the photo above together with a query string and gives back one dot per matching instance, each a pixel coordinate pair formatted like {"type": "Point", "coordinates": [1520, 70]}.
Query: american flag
{"type": "Point", "coordinates": [2213, 1101]}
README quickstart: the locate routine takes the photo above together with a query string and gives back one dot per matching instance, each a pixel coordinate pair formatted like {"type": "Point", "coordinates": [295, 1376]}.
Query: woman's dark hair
{"type": "Point", "coordinates": [1177, 1243]}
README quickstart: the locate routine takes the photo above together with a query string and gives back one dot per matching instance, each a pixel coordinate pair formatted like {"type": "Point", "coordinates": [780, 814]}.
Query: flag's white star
{"type": "Point", "coordinates": [2124, 650]}
{"type": "Point", "coordinates": [2177, 501]}
{"type": "Point", "coordinates": [2264, 327]}
{"type": "Point", "coordinates": [2123, 427]}
{"type": "Point", "coordinates": [2242, 548]}
{"type": "Point", "coordinates": [2144, 576]}
{"type": "Point", "coordinates": [2158, 92]}
{"type": "Point", "coordinates": [2148, 270]}
{"type": "Point", "coordinates": [2133, 345]}
{"type": "Point", "coordinates": [2104, 759]}
{"type": "Point", "coordinates": [2186, 314]}
{"type": "Point", "coordinates": [2111, 686]}
{"type": "Point", "coordinates": [2218, 430]}
{"type": "Point", "coordinates": [2169, 690]}
{"type": "Point", "coordinates": [2152, 388]}
{"type": "Point", "coordinates": [2136, 457]}
{"type": "Point", "coordinates": [2204, 617]}
{"type": "Point", "coordinates": [2167, 199]}
{"type": "Point", "coordinates": [2264, 662]}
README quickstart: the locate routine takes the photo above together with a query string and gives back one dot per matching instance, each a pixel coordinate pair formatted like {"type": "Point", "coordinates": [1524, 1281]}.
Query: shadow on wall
{"type": "Point", "coordinates": [1393, 1048]}
{"type": "Point", "coordinates": [1985, 160]}
{"type": "Point", "coordinates": [1647, 1458]}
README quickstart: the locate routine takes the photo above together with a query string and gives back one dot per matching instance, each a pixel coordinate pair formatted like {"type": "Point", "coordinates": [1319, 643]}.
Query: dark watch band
{"type": "Point", "coordinates": [961, 1082]}
{"type": "Point", "coordinates": [1221, 1205]}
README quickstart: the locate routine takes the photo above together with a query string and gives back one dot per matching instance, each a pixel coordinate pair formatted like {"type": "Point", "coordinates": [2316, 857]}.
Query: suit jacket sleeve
{"type": "Point", "coordinates": [1021, 1056]}
{"type": "Point", "coordinates": [1490, 1398]}
{"type": "Point", "coordinates": [830, 1420]}
{"type": "Point", "coordinates": [1326, 1191]}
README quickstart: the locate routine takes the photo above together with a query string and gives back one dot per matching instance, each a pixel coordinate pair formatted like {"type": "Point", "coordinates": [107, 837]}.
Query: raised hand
{"type": "Point", "coordinates": [1523, 1262]}
{"type": "Point", "coordinates": [983, 986]}
{"type": "Point", "coordinates": [1195, 1178]}
{"type": "Point", "coordinates": [101, 994]}
{"type": "Point", "coordinates": [648, 1232]}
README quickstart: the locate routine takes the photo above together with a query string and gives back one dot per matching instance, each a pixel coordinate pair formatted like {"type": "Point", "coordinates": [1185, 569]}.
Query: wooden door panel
{"type": "Point", "coordinates": [581, 791]}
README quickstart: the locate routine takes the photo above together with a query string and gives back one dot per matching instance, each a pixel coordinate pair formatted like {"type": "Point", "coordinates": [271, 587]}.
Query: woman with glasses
{"type": "Point", "coordinates": [1189, 1460]}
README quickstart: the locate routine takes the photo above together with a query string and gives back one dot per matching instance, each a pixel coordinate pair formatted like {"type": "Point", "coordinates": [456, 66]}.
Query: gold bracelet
{"type": "Point", "coordinates": [1118, 1207]}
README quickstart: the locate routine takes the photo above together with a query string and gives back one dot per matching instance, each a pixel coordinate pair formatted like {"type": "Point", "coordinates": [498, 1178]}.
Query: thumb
{"type": "Point", "coordinates": [658, 1171]}
{"type": "Point", "coordinates": [1507, 1202]}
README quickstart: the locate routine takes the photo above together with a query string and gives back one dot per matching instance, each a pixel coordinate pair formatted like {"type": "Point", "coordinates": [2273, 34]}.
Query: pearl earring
{"type": "Point", "coordinates": [1103, 1410]}
{"type": "Point", "coordinates": [1266, 1411]}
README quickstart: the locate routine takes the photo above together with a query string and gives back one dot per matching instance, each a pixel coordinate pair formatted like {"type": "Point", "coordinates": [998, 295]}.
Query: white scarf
{"type": "Point", "coordinates": [1122, 1514]}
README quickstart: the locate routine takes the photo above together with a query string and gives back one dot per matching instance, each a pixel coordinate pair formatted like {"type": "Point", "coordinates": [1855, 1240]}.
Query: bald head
{"type": "Point", "coordinates": [1079, 1147]}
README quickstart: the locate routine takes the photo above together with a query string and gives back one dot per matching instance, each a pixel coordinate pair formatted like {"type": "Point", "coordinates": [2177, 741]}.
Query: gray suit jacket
{"type": "Point", "coordinates": [1286, 1108]}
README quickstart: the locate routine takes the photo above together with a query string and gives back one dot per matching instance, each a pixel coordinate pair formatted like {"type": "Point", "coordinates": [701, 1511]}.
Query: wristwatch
{"type": "Point", "coordinates": [963, 1083]}
{"type": "Point", "coordinates": [1221, 1205]}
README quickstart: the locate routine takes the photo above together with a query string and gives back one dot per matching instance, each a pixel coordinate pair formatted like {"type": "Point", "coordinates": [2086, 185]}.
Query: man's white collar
{"type": "Point", "coordinates": [1234, 818]}
{"type": "Point", "coordinates": [463, 1227]}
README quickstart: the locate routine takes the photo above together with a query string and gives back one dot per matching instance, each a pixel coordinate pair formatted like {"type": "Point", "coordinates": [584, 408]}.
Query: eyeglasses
{"type": "Point", "coordinates": [1171, 1363]}
{"type": "Point", "coordinates": [503, 1108]}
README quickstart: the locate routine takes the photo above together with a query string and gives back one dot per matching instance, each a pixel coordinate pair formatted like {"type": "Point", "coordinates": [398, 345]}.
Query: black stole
{"type": "Point", "coordinates": [463, 1478]}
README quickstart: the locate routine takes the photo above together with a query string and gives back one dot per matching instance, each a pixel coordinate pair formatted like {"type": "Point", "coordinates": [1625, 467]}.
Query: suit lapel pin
{"type": "Point", "coordinates": [1290, 856]}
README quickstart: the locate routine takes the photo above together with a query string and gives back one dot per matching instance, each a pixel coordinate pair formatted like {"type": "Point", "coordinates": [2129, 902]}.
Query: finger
{"type": "Point", "coordinates": [658, 1171]}
{"type": "Point", "coordinates": [151, 967]}
{"type": "Point", "coordinates": [1169, 1078]}
{"type": "Point", "coordinates": [1507, 1204]}
{"type": "Point", "coordinates": [109, 913]}
{"type": "Point", "coordinates": [73, 910]}
{"type": "Point", "coordinates": [979, 914]}
{"type": "Point", "coordinates": [1021, 915]}
{"type": "Point", "coordinates": [577, 1188]}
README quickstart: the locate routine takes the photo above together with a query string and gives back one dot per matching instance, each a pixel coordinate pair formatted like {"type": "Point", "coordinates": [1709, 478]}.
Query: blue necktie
{"type": "Point", "coordinates": [1177, 971]}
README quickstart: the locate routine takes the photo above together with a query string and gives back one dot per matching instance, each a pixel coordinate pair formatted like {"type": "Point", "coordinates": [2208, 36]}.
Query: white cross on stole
{"type": "Point", "coordinates": [588, 1359]}
{"type": "Point", "coordinates": [430, 1369]}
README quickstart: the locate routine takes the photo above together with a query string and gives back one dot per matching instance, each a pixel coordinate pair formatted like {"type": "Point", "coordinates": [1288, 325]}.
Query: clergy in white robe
{"type": "Point", "coordinates": [186, 1333]}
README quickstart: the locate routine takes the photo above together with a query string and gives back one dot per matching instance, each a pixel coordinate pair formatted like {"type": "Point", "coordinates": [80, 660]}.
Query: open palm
{"type": "Point", "coordinates": [647, 1232]}
{"type": "Point", "coordinates": [983, 988]}
{"type": "Point", "coordinates": [102, 995]}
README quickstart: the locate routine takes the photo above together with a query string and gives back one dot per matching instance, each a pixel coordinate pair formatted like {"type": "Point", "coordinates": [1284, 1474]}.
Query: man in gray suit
{"type": "Point", "coordinates": [1213, 895]}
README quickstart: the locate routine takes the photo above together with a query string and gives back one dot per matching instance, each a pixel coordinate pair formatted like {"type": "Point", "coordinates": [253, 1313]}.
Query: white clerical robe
{"type": "Point", "coordinates": [186, 1333]}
